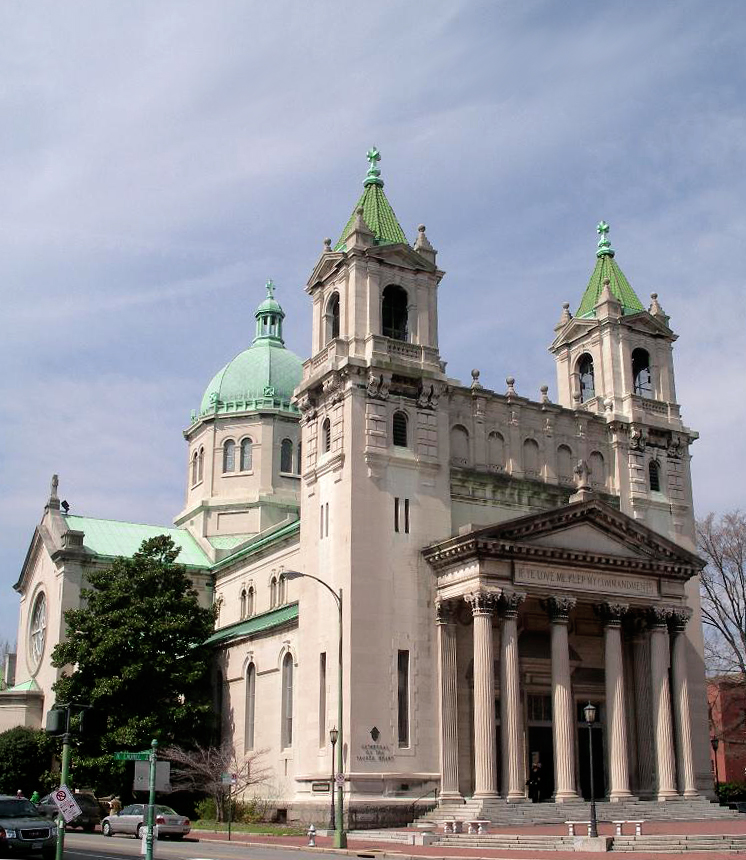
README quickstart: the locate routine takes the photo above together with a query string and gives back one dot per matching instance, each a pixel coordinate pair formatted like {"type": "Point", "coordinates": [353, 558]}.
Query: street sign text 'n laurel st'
{"type": "Point", "coordinates": [131, 756]}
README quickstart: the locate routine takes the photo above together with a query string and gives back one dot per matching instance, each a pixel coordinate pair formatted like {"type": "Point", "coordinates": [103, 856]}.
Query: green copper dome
{"type": "Point", "coordinates": [607, 269]}
{"type": "Point", "coordinates": [263, 376]}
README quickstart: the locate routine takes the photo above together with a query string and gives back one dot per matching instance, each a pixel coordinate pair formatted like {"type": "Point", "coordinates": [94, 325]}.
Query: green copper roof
{"type": "Point", "coordinates": [264, 376]}
{"type": "Point", "coordinates": [25, 687]}
{"type": "Point", "coordinates": [113, 538]}
{"type": "Point", "coordinates": [377, 211]}
{"type": "Point", "coordinates": [606, 267]}
{"type": "Point", "coordinates": [258, 624]}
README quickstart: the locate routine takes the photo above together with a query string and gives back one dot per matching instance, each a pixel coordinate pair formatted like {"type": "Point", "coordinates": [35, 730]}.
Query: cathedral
{"type": "Point", "coordinates": [492, 563]}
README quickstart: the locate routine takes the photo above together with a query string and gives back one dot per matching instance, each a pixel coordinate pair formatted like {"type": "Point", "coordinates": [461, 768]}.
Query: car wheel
{"type": "Point", "coordinates": [106, 828]}
{"type": "Point", "coordinates": [138, 833]}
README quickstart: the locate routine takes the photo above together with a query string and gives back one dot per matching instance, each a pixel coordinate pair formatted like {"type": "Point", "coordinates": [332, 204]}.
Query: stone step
{"type": "Point", "coordinates": [676, 844]}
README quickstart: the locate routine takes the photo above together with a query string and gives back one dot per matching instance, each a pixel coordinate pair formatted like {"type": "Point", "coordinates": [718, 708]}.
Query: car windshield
{"type": "Point", "coordinates": [17, 809]}
{"type": "Point", "coordinates": [165, 809]}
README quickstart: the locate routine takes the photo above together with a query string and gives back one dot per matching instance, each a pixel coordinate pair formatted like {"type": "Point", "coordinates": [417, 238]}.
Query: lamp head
{"type": "Point", "coordinates": [590, 713]}
{"type": "Point", "coordinates": [715, 743]}
{"type": "Point", "coordinates": [333, 735]}
{"type": "Point", "coordinates": [291, 574]}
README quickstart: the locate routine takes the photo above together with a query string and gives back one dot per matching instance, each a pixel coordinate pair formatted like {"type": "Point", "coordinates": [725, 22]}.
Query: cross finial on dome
{"type": "Point", "coordinates": [374, 174]}
{"type": "Point", "coordinates": [271, 288]}
{"type": "Point", "coordinates": [604, 245]}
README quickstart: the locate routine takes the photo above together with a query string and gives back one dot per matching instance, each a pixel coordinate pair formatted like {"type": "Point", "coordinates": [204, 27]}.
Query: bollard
{"type": "Point", "coordinates": [312, 837]}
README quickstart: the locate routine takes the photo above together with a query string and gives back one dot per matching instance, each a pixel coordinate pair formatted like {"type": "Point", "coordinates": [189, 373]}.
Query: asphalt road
{"type": "Point", "coordinates": [94, 846]}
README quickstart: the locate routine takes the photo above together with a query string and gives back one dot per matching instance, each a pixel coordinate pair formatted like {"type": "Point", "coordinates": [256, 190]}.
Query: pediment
{"type": "Point", "coordinates": [574, 329]}
{"type": "Point", "coordinates": [648, 324]}
{"type": "Point", "coordinates": [327, 263]}
{"type": "Point", "coordinates": [401, 255]}
{"type": "Point", "coordinates": [586, 537]}
{"type": "Point", "coordinates": [40, 543]}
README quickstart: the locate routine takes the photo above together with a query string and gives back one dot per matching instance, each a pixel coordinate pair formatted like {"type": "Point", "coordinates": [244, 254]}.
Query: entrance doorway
{"type": "Point", "coordinates": [540, 747]}
{"type": "Point", "coordinates": [599, 763]}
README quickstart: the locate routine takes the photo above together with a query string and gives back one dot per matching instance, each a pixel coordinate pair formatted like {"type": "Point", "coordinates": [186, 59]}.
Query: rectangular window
{"type": "Point", "coordinates": [322, 699]}
{"type": "Point", "coordinates": [326, 528]}
{"type": "Point", "coordinates": [406, 516]}
{"type": "Point", "coordinates": [403, 698]}
{"type": "Point", "coordinates": [396, 515]}
{"type": "Point", "coordinates": [321, 522]}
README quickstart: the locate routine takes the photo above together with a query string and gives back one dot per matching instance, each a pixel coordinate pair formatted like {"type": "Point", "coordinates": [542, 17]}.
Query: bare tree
{"type": "Point", "coordinates": [202, 768]}
{"type": "Point", "coordinates": [722, 543]}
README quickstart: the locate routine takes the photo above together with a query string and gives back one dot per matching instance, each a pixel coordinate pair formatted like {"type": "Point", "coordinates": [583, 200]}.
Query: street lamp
{"type": "Point", "coordinates": [340, 837]}
{"type": "Point", "coordinates": [715, 743]}
{"type": "Point", "coordinates": [590, 717]}
{"type": "Point", "coordinates": [333, 735]}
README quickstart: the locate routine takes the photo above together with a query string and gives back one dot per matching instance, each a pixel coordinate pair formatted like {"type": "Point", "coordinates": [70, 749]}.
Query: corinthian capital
{"type": "Point", "coordinates": [659, 616]}
{"type": "Point", "coordinates": [444, 612]}
{"type": "Point", "coordinates": [482, 602]}
{"type": "Point", "coordinates": [509, 603]}
{"type": "Point", "coordinates": [679, 618]}
{"type": "Point", "coordinates": [559, 608]}
{"type": "Point", "coordinates": [612, 613]}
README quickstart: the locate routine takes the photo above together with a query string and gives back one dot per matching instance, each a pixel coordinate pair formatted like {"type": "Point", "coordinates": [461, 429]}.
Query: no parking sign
{"type": "Point", "coordinates": [66, 803]}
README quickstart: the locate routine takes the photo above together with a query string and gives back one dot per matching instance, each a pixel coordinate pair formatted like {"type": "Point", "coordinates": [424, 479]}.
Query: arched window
{"type": "Point", "coordinates": [250, 602]}
{"type": "Point", "coordinates": [400, 429]}
{"type": "Point", "coordinates": [195, 460]}
{"type": "Point", "coordinates": [394, 312]}
{"type": "Point", "coordinates": [531, 457]}
{"type": "Point", "coordinates": [585, 375]}
{"type": "Point", "coordinates": [242, 603]}
{"type": "Point", "coordinates": [459, 445]}
{"type": "Point", "coordinates": [246, 454]}
{"type": "Point", "coordinates": [287, 701]}
{"type": "Point", "coordinates": [564, 464]}
{"type": "Point", "coordinates": [496, 451]}
{"type": "Point", "coordinates": [641, 377]}
{"type": "Point", "coordinates": [201, 465]}
{"type": "Point", "coordinates": [273, 593]}
{"type": "Point", "coordinates": [332, 317]}
{"type": "Point", "coordinates": [250, 707]}
{"type": "Point", "coordinates": [598, 469]}
{"type": "Point", "coordinates": [281, 585]}
{"type": "Point", "coordinates": [38, 629]}
{"type": "Point", "coordinates": [655, 476]}
{"type": "Point", "coordinates": [229, 455]}
{"type": "Point", "coordinates": [326, 436]}
{"type": "Point", "coordinates": [286, 456]}
{"type": "Point", "coordinates": [299, 458]}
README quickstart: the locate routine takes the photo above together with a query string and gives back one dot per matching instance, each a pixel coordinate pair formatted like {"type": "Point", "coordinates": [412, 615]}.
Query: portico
{"type": "Point", "coordinates": [540, 615]}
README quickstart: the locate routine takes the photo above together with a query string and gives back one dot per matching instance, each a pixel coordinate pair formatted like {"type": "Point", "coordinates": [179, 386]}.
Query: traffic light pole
{"type": "Point", "coordinates": [63, 781]}
{"type": "Point", "coordinates": [151, 802]}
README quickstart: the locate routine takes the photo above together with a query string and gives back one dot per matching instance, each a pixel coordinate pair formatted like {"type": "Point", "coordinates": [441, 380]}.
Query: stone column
{"type": "Point", "coordinates": [563, 723]}
{"type": "Point", "coordinates": [482, 605]}
{"type": "Point", "coordinates": [511, 722]}
{"type": "Point", "coordinates": [643, 707]}
{"type": "Point", "coordinates": [684, 758]}
{"type": "Point", "coordinates": [616, 726]}
{"type": "Point", "coordinates": [449, 783]}
{"type": "Point", "coordinates": [662, 729]}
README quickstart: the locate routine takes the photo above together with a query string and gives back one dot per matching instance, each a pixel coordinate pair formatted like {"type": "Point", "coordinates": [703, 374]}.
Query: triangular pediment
{"type": "Point", "coordinates": [327, 263]}
{"type": "Point", "coordinates": [648, 324]}
{"type": "Point", "coordinates": [401, 255]}
{"type": "Point", "coordinates": [588, 537]}
{"type": "Point", "coordinates": [40, 543]}
{"type": "Point", "coordinates": [572, 330]}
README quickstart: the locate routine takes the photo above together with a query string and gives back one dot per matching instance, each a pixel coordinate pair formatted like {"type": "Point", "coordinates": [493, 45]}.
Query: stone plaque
{"type": "Point", "coordinates": [586, 580]}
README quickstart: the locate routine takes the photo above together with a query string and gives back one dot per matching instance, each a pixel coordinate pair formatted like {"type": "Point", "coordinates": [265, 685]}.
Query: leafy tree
{"type": "Point", "coordinates": [137, 651]}
{"type": "Point", "coordinates": [25, 759]}
{"type": "Point", "coordinates": [201, 770]}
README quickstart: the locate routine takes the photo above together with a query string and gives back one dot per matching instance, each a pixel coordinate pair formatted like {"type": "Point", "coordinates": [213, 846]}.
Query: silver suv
{"type": "Point", "coordinates": [23, 831]}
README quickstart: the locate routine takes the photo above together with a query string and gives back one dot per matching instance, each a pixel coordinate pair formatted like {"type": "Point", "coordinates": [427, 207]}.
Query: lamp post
{"type": "Point", "coordinates": [715, 743]}
{"type": "Point", "coordinates": [333, 735]}
{"type": "Point", "coordinates": [589, 712]}
{"type": "Point", "coordinates": [340, 837]}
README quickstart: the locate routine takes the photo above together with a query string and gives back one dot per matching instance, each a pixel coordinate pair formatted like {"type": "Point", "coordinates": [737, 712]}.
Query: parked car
{"type": "Point", "coordinates": [132, 820]}
{"type": "Point", "coordinates": [23, 831]}
{"type": "Point", "coordinates": [90, 811]}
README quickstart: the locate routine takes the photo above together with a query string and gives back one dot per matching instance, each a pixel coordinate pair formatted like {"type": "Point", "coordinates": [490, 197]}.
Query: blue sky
{"type": "Point", "coordinates": [161, 160]}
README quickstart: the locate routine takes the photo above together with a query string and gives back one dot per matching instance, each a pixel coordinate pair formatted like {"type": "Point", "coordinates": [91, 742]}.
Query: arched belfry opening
{"type": "Point", "coordinates": [641, 376]}
{"type": "Point", "coordinates": [394, 313]}
{"type": "Point", "coordinates": [332, 317]}
{"type": "Point", "coordinates": [586, 378]}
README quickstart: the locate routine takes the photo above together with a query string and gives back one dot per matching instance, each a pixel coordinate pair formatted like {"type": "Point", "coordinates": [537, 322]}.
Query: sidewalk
{"type": "Point", "coordinates": [358, 843]}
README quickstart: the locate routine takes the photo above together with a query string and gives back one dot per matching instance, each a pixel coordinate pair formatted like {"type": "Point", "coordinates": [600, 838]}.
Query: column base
{"type": "Point", "coordinates": [451, 797]}
{"type": "Point", "coordinates": [667, 795]}
{"type": "Point", "coordinates": [619, 797]}
{"type": "Point", "coordinates": [485, 795]}
{"type": "Point", "coordinates": [691, 792]}
{"type": "Point", "coordinates": [566, 797]}
{"type": "Point", "coordinates": [517, 798]}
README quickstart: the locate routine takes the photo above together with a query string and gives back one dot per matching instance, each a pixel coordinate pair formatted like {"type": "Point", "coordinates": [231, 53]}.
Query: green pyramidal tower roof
{"type": "Point", "coordinates": [377, 211]}
{"type": "Point", "coordinates": [606, 267]}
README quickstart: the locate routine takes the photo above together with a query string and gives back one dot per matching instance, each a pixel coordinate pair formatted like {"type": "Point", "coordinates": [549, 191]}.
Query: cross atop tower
{"type": "Point", "coordinates": [270, 288]}
{"type": "Point", "coordinates": [374, 174]}
{"type": "Point", "coordinates": [604, 245]}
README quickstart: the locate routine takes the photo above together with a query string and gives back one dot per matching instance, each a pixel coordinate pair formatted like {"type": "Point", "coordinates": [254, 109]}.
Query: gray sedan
{"type": "Point", "coordinates": [132, 820]}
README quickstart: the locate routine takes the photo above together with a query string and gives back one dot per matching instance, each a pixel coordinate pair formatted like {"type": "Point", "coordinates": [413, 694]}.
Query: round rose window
{"type": "Point", "coordinates": [38, 630]}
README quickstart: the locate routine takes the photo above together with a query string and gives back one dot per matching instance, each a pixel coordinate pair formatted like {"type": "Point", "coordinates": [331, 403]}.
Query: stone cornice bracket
{"type": "Point", "coordinates": [679, 618]}
{"type": "Point", "coordinates": [445, 612]}
{"type": "Point", "coordinates": [559, 608]}
{"type": "Point", "coordinates": [612, 613]}
{"type": "Point", "coordinates": [510, 602]}
{"type": "Point", "coordinates": [333, 387]}
{"type": "Point", "coordinates": [482, 602]}
{"type": "Point", "coordinates": [307, 407]}
{"type": "Point", "coordinates": [659, 616]}
{"type": "Point", "coordinates": [638, 438]}
{"type": "Point", "coordinates": [677, 446]}
{"type": "Point", "coordinates": [428, 394]}
{"type": "Point", "coordinates": [379, 385]}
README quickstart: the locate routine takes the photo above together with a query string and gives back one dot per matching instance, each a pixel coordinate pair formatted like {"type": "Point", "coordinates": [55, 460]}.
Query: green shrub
{"type": "Point", "coordinates": [25, 760]}
{"type": "Point", "coordinates": [730, 792]}
{"type": "Point", "coordinates": [205, 809]}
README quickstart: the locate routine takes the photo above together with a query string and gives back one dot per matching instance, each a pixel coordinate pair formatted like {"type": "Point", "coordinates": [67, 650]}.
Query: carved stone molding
{"type": "Point", "coordinates": [679, 618]}
{"type": "Point", "coordinates": [638, 438]}
{"type": "Point", "coordinates": [559, 608]}
{"type": "Point", "coordinates": [510, 601]}
{"type": "Point", "coordinates": [482, 602]}
{"type": "Point", "coordinates": [677, 446]}
{"type": "Point", "coordinates": [428, 395]}
{"type": "Point", "coordinates": [612, 613]}
{"type": "Point", "coordinates": [445, 612]}
{"type": "Point", "coordinates": [379, 385]}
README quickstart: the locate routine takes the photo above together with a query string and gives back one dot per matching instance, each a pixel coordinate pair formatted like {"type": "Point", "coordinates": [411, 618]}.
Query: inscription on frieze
{"type": "Point", "coordinates": [585, 580]}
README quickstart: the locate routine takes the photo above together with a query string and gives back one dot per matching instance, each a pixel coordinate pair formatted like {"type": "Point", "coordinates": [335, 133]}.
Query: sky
{"type": "Point", "coordinates": [160, 161]}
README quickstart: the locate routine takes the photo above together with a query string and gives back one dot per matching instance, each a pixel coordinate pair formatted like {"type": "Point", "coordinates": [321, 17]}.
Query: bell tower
{"type": "Point", "coordinates": [615, 358]}
{"type": "Point", "coordinates": [375, 479]}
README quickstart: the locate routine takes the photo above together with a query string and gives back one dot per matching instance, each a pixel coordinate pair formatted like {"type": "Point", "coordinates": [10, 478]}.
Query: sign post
{"type": "Point", "coordinates": [151, 801]}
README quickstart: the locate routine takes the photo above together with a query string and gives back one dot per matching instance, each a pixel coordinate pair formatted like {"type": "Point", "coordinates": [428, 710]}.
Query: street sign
{"type": "Point", "coordinates": [339, 779]}
{"type": "Point", "coordinates": [162, 776]}
{"type": "Point", "coordinates": [66, 803]}
{"type": "Point", "coordinates": [226, 778]}
{"type": "Point", "coordinates": [130, 756]}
